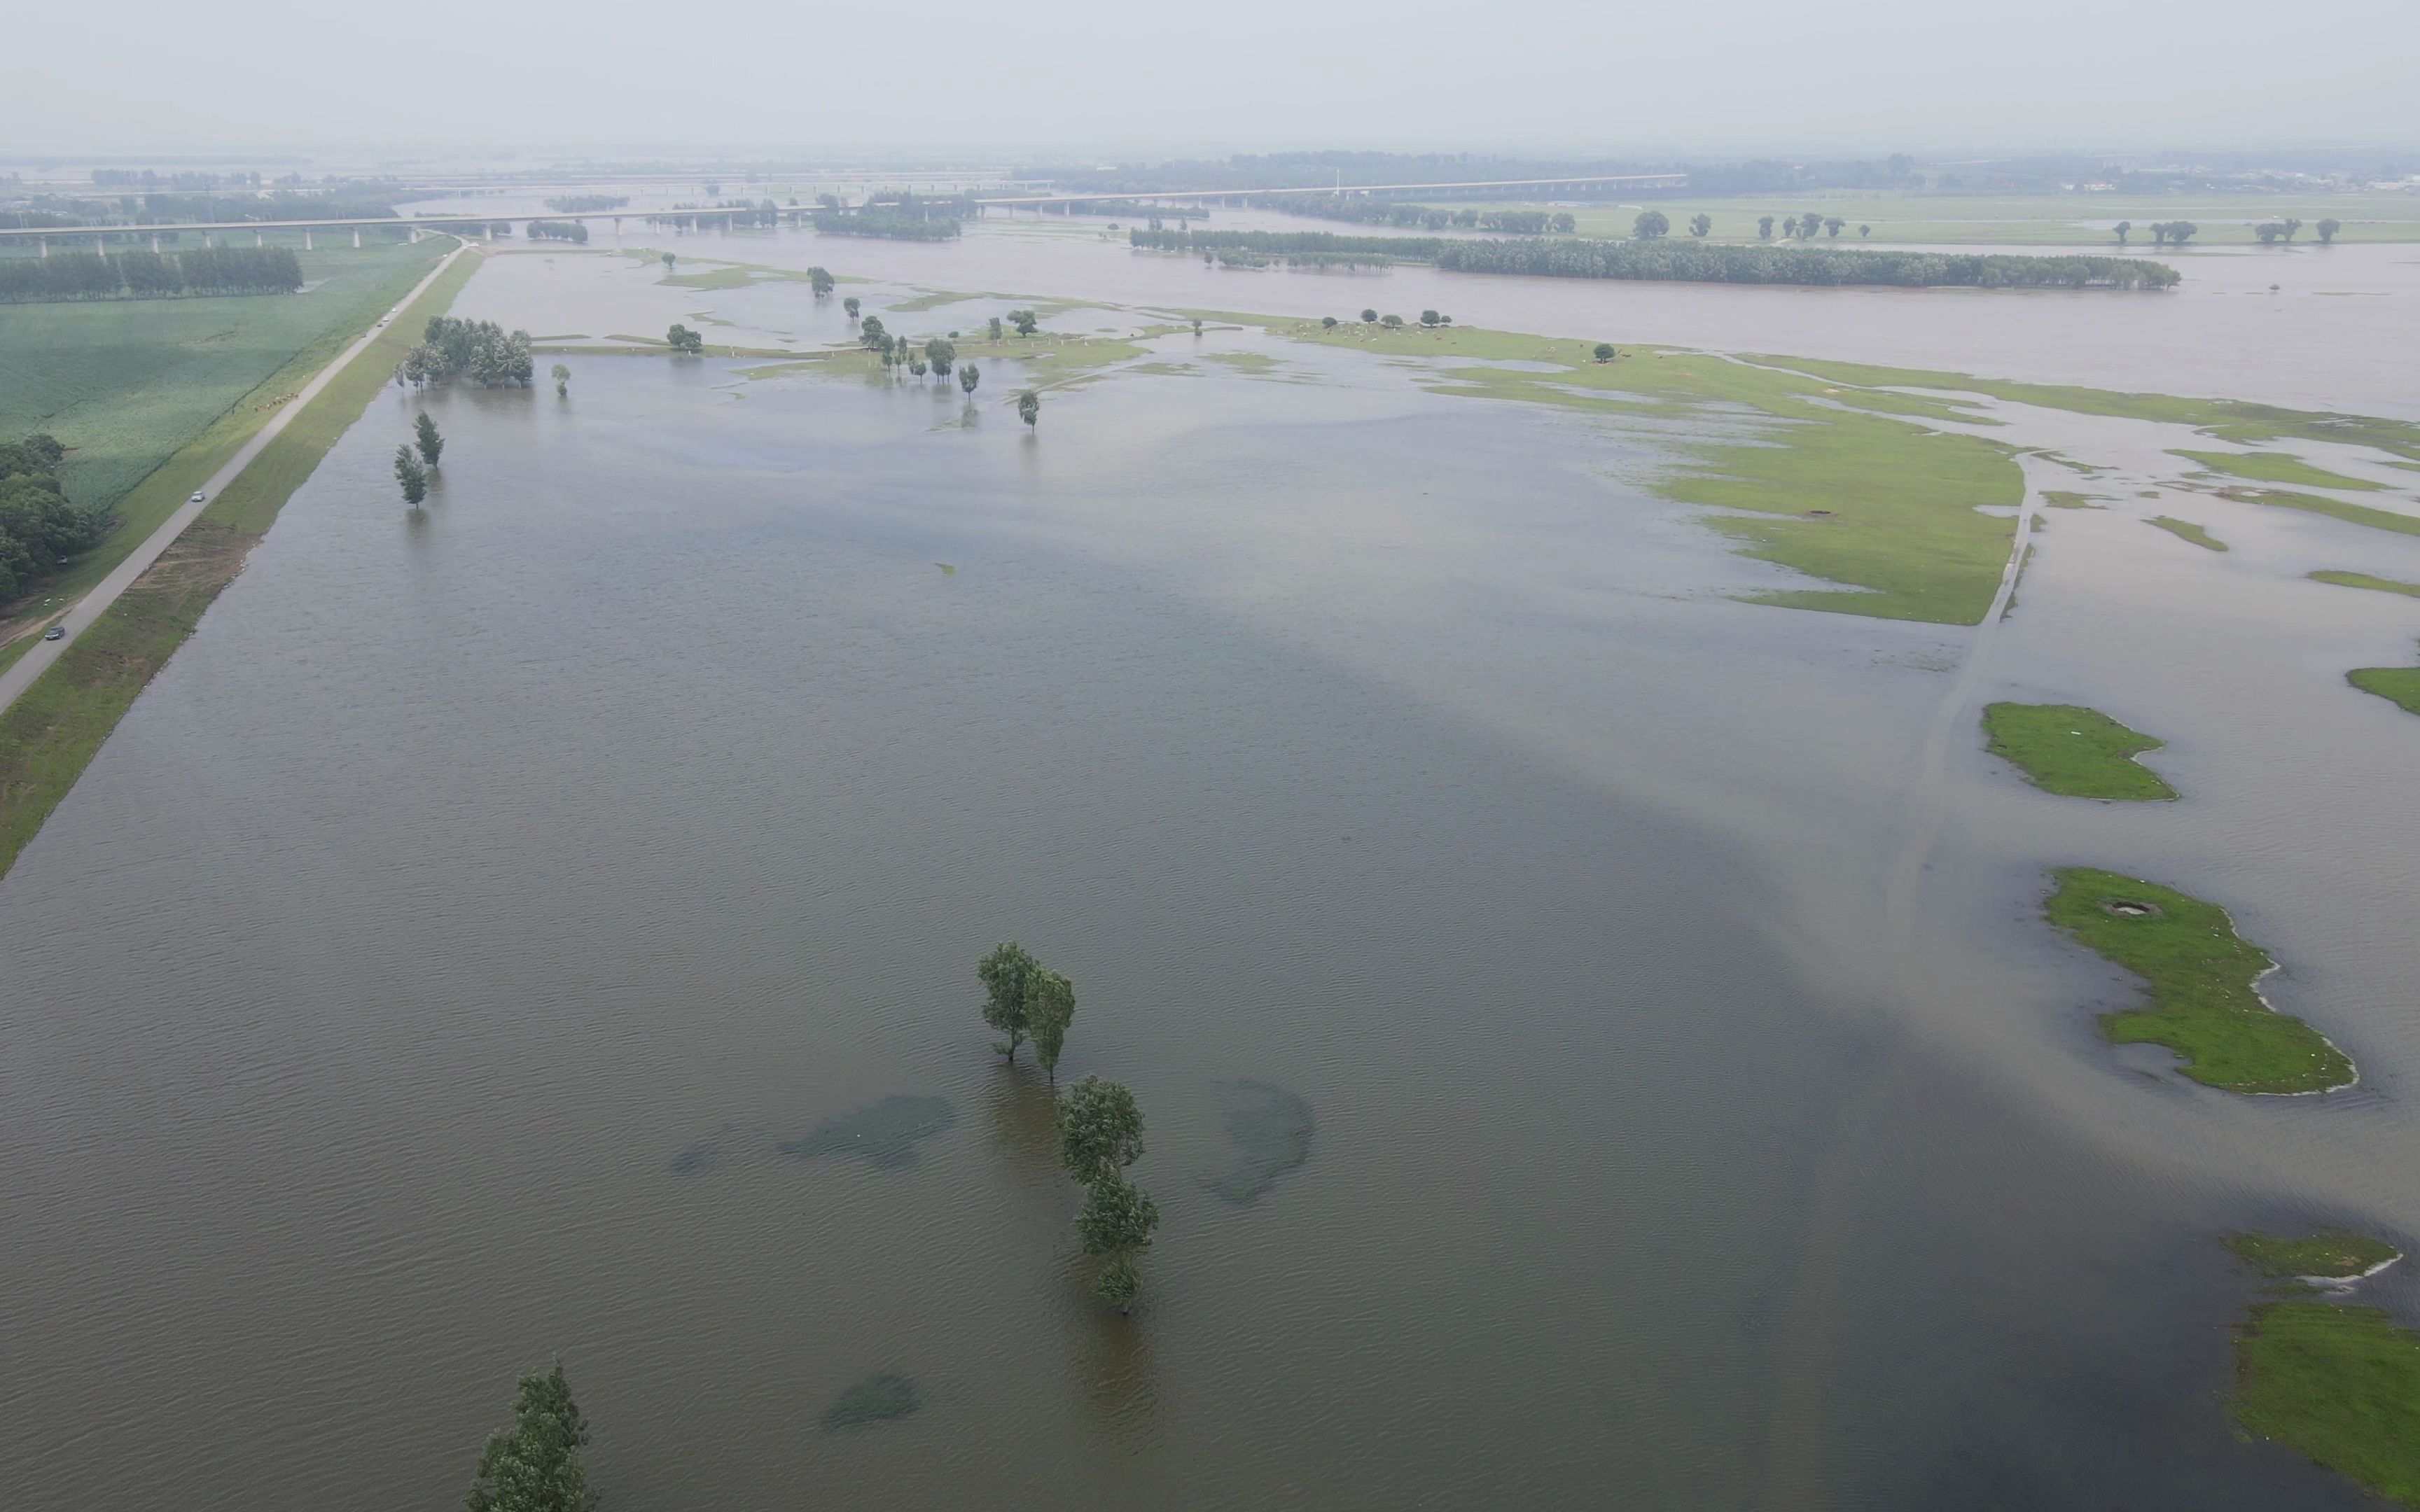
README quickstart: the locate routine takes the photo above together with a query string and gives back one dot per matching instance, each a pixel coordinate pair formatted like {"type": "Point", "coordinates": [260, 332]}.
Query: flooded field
{"type": "Point", "coordinates": [1599, 1037]}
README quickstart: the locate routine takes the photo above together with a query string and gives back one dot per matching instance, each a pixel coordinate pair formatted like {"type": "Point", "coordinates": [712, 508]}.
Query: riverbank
{"type": "Point", "coordinates": [52, 729]}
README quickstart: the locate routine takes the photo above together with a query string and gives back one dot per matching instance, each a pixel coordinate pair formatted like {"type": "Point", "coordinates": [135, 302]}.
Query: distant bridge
{"type": "Point", "coordinates": [418, 226]}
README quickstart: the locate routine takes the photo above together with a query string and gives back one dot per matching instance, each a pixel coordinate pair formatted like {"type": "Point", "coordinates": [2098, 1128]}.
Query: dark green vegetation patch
{"type": "Point", "coordinates": [2339, 1384]}
{"type": "Point", "coordinates": [884, 1133]}
{"type": "Point", "coordinates": [2311, 503]}
{"type": "Point", "coordinates": [1271, 1129]}
{"type": "Point", "coordinates": [2073, 751]}
{"type": "Point", "coordinates": [880, 1397]}
{"type": "Point", "coordinates": [2186, 529]}
{"type": "Point", "coordinates": [2363, 579]}
{"type": "Point", "coordinates": [2274, 467]}
{"type": "Point", "coordinates": [2332, 1254]}
{"type": "Point", "coordinates": [2201, 976]}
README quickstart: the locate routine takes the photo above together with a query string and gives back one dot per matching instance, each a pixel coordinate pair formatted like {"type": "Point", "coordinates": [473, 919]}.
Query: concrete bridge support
{"type": "Point", "coordinates": [306, 239]}
{"type": "Point", "coordinates": [155, 242]}
{"type": "Point", "coordinates": [357, 236]}
{"type": "Point", "coordinates": [45, 243]}
{"type": "Point", "coordinates": [259, 240]}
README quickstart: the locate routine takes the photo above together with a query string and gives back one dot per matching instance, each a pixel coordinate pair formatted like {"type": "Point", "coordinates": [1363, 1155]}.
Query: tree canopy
{"type": "Point", "coordinates": [1100, 1129]}
{"type": "Point", "coordinates": [39, 527]}
{"type": "Point", "coordinates": [1004, 974]}
{"type": "Point", "coordinates": [534, 1466]}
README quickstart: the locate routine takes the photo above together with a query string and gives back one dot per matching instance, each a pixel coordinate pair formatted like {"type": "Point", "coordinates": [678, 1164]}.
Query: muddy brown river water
{"type": "Point", "coordinates": [461, 954]}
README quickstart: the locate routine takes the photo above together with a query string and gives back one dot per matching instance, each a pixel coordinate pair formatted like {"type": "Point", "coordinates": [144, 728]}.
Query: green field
{"type": "Point", "coordinates": [2187, 530]}
{"type": "Point", "coordinates": [2073, 751]}
{"type": "Point", "coordinates": [2080, 220]}
{"type": "Point", "coordinates": [2363, 579]}
{"type": "Point", "coordinates": [2338, 1384]}
{"type": "Point", "coordinates": [2204, 1003]}
{"type": "Point", "coordinates": [2333, 1254]}
{"type": "Point", "coordinates": [131, 384]}
{"type": "Point", "coordinates": [52, 732]}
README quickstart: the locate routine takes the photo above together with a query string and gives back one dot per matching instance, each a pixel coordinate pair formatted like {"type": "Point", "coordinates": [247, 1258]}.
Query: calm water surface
{"type": "Point", "coordinates": [425, 979]}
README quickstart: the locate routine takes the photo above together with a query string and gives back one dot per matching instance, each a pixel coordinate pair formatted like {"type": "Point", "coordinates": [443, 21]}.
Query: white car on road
{"type": "Point", "coordinates": [196, 498]}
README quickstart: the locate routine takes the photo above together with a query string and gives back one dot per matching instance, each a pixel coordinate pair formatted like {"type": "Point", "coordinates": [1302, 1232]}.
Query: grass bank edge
{"type": "Point", "coordinates": [2203, 983]}
{"type": "Point", "coordinates": [53, 730]}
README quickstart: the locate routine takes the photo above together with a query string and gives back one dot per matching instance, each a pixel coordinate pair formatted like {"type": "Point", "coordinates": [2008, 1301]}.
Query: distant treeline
{"type": "Point", "coordinates": [897, 224]}
{"type": "Point", "coordinates": [1288, 169]}
{"type": "Point", "coordinates": [38, 526]}
{"type": "Point", "coordinates": [558, 231]}
{"type": "Point", "coordinates": [1427, 217]}
{"type": "Point", "coordinates": [582, 204]}
{"type": "Point", "coordinates": [166, 209]}
{"type": "Point", "coordinates": [1282, 243]}
{"type": "Point", "coordinates": [1699, 263]}
{"type": "Point", "coordinates": [150, 275]}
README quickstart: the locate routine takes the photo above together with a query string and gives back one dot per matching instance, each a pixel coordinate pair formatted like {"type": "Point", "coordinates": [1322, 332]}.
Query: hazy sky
{"type": "Point", "coordinates": [168, 76]}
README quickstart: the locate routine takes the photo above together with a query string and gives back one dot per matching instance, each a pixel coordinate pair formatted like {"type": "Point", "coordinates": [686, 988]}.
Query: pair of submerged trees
{"type": "Point", "coordinates": [684, 341]}
{"type": "Point", "coordinates": [412, 471]}
{"type": "Point", "coordinates": [534, 1466]}
{"type": "Point", "coordinates": [1100, 1127]}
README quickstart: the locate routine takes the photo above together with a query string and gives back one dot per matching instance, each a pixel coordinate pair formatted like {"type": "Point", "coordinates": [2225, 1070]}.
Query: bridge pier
{"type": "Point", "coordinates": [259, 240]}
{"type": "Point", "coordinates": [617, 228]}
{"type": "Point", "coordinates": [357, 236]}
{"type": "Point", "coordinates": [306, 239]}
{"type": "Point", "coordinates": [155, 243]}
{"type": "Point", "coordinates": [45, 244]}
{"type": "Point", "coordinates": [101, 245]}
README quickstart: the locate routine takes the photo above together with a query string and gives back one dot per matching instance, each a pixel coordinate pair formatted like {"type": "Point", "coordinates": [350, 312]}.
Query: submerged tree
{"type": "Point", "coordinates": [1050, 1008]}
{"type": "Point", "coordinates": [562, 379]}
{"type": "Point", "coordinates": [668, 262]}
{"type": "Point", "coordinates": [916, 366]}
{"type": "Point", "coordinates": [1115, 1224]}
{"type": "Point", "coordinates": [1004, 974]}
{"type": "Point", "coordinates": [941, 352]}
{"type": "Point", "coordinates": [432, 446]}
{"type": "Point", "coordinates": [2124, 229]}
{"type": "Point", "coordinates": [681, 338]}
{"type": "Point", "coordinates": [535, 1466]}
{"type": "Point", "coordinates": [1028, 407]}
{"type": "Point", "coordinates": [821, 282]}
{"type": "Point", "coordinates": [411, 475]}
{"type": "Point", "coordinates": [1100, 1129]}
{"type": "Point", "coordinates": [968, 376]}
{"type": "Point", "coordinates": [2328, 229]}
{"type": "Point", "coordinates": [872, 334]}
{"type": "Point", "coordinates": [851, 305]}
{"type": "Point", "coordinates": [1701, 224]}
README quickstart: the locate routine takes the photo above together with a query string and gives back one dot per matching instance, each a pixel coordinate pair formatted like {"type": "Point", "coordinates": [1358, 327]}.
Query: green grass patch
{"type": "Point", "coordinates": [1893, 510]}
{"type": "Point", "coordinates": [2187, 530]}
{"type": "Point", "coordinates": [2363, 579]}
{"type": "Point", "coordinates": [2331, 1254]}
{"type": "Point", "coordinates": [929, 300]}
{"type": "Point", "coordinates": [2067, 499]}
{"type": "Point", "coordinates": [49, 735]}
{"type": "Point", "coordinates": [2400, 686]}
{"type": "Point", "coordinates": [2340, 1385]}
{"type": "Point", "coordinates": [2311, 503]}
{"type": "Point", "coordinates": [2073, 751]}
{"type": "Point", "coordinates": [2274, 466]}
{"type": "Point", "coordinates": [2204, 1002]}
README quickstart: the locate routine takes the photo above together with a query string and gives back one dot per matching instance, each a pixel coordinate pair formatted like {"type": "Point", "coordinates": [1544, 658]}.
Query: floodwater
{"type": "Point", "coordinates": [1598, 1041]}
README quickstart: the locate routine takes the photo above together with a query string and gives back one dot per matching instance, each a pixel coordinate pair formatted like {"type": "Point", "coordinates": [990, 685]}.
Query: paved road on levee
{"type": "Point", "coordinates": [94, 604]}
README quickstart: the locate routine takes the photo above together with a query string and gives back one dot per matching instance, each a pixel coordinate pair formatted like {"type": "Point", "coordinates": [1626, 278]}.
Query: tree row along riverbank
{"type": "Point", "coordinates": [1657, 260]}
{"type": "Point", "coordinates": [51, 733]}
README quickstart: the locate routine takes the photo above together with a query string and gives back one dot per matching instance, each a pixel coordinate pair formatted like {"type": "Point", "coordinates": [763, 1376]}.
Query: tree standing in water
{"type": "Point", "coordinates": [411, 475]}
{"type": "Point", "coordinates": [968, 376]}
{"type": "Point", "coordinates": [535, 1466]}
{"type": "Point", "coordinates": [1115, 1224]}
{"type": "Point", "coordinates": [432, 446]}
{"type": "Point", "coordinates": [562, 380]}
{"type": "Point", "coordinates": [1028, 407]}
{"type": "Point", "coordinates": [851, 306]}
{"type": "Point", "coordinates": [1004, 974]}
{"type": "Point", "coordinates": [1049, 1008]}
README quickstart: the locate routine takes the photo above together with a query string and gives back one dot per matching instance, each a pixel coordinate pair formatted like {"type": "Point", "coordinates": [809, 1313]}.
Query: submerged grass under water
{"type": "Point", "coordinates": [2332, 1254]}
{"type": "Point", "coordinates": [885, 1133]}
{"type": "Point", "coordinates": [2338, 1384]}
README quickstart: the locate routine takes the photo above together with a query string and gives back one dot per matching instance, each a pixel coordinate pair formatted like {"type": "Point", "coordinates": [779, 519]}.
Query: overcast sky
{"type": "Point", "coordinates": [171, 76]}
